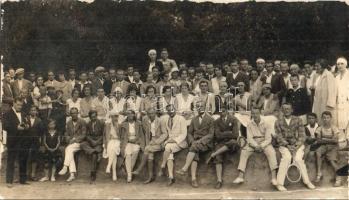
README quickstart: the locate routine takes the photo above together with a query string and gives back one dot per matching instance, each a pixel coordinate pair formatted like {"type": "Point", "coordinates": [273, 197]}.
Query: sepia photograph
{"type": "Point", "coordinates": [182, 99]}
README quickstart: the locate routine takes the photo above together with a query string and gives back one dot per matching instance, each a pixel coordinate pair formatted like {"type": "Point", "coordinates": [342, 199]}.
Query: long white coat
{"type": "Point", "coordinates": [325, 94]}
{"type": "Point", "coordinates": [342, 103]}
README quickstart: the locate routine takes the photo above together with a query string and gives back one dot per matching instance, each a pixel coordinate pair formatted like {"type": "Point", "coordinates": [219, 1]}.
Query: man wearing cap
{"type": "Point", "coordinates": [260, 64]}
{"type": "Point", "coordinates": [153, 62]}
{"type": "Point", "coordinates": [98, 81]}
{"type": "Point", "coordinates": [20, 83]}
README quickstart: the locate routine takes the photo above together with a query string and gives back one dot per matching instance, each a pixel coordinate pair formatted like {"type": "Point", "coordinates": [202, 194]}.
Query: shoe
{"type": "Point", "coordinates": [338, 182]}
{"type": "Point", "coordinates": [63, 171]}
{"type": "Point", "coordinates": [318, 178]}
{"type": "Point", "coordinates": [9, 185]}
{"type": "Point", "coordinates": [107, 170]}
{"type": "Point", "coordinates": [149, 180]}
{"type": "Point", "coordinates": [44, 179]}
{"type": "Point", "coordinates": [274, 182]}
{"type": "Point", "coordinates": [115, 177]}
{"type": "Point", "coordinates": [219, 185]}
{"type": "Point", "coordinates": [238, 180]}
{"type": "Point", "coordinates": [53, 179]}
{"type": "Point", "coordinates": [136, 172]}
{"type": "Point", "coordinates": [194, 183]}
{"type": "Point", "coordinates": [310, 186]}
{"type": "Point", "coordinates": [281, 188]}
{"type": "Point", "coordinates": [33, 178]}
{"type": "Point", "coordinates": [181, 172]}
{"type": "Point", "coordinates": [129, 179]}
{"type": "Point", "coordinates": [170, 181]}
{"type": "Point", "coordinates": [71, 178]}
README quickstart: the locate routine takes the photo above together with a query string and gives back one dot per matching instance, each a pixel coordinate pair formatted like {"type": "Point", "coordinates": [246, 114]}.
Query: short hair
{"type": "Point", "coordinates": [284, 62]}
{"type": "Point", "coordinates": [308, 62]}
{"type": "Point", "coordinates": [294, 76]}
{"type": "Point", "coordinates": [34, 106]}
{"type": "Point", "coordinates": [269, 62]}
{"type": "Point", "coordinates": [312, 115]}
{"type": "Point", "coordinates": [203, 81]}
{"type": "Point", "coordinates": [199, 70]}
{"type": "Point", "coordinates": [18, 100]}
{"type": "Point", "coordinates": [287, 104]}
{"type": "Point", "coordinates": [184, 84]}
{"type": "Point", "coordinates": [322, 62]}
{"type": "Point", "coordinates": [51, 120]}
{"type": "Point", "coordinates": [328, 113]}
{"type": "Point", "coordinates": [166, 87]}
{"type": "Point", "coordinates": [155, 67]}
{"type": "Point", "coordinates": [74, 108]}
{"type": "Point", "coordinates": [132, 87]}
{"type": "Point", "coordinates": [148, 88]}
{"type": "Point", "coordinates": [75, 90]}
{"type": "Point", "coordinates": [91, 112]}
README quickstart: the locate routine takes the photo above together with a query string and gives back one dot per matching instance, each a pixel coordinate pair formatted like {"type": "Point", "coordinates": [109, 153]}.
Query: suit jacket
{"type": "Point", "coordinates": [293, 134]}
{"type": "Point", "coordinates": [107, 86]}
{"type": "Point", "coordinates": [140, 139]}
{"type": "Point", "coordinates": [178, 132]}
{"type": "Point", "coordinates": [96, 84]}
{"type": "Point", "coordinates": [10, 123]}
{"type": "Point", "coordinates": [27, 104]}
{"type": "Point", "coordinates": [240, 77]}
{"type": "Point", "coordinates": [159, 137]}
{"type": "Point", "coordinates": [78, 132]}
{"type": "Point", "coordinates": [300, 101]}
{"type": "Point", "coordinates": [203, 132]}
{"type": "Point", "coordinates": [35, 131]}
{"type": "Point", "coordinates": [7, 96]}
{"type": "Point", "coordinates": [80, 87]}
{"type": "Point", "coordinates": [27, 85]}
{"type": "Point", "coordinates": [96, 134]}
{"type": "Point", "coordinates": [226, 130]}
{"type": "Point", "coordinates": [277, 84]}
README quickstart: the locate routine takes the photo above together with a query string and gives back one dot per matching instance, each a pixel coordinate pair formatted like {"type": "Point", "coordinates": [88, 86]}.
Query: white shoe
{"type": "Point", "coordinates": [63, 171]}
{"type": "Point", "coordinates": [238, 180]}
{"type": "Point", "coordinates": [310, 186]}
{"type": "Point", "coordinates": [281, 188]}
{"type": "Point", "coordinates": [115, 177]}
{"type": "Point", "coordinates": [44, 179]}
{"type": "Point", "coordinates": [129, 179]}
{"type": "Point", "coordinates": [274, 182]}
{"type": "Point", "coordinates": [71, 178]}
{"type": "Point", "coordinates": [107, 170]}
{"type": "Point", "coordinates": [53, 179]}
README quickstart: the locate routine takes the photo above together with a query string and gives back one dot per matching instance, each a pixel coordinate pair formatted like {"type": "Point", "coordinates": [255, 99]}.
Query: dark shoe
{"type": "Point", "coordinates": [93, 176]}
{"type": "Point", "coordinates": [170, 181]}
{"type": "Point", "coordinates": [194, 184]}
{"type": "Point", "coordinates": [219, 185]}
{"type": "Point", "coordinates": [149, 180]}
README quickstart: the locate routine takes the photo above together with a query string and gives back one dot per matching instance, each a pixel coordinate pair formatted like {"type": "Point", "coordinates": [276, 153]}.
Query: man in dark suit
{"type": "Point", "coordinates": [14, 125]}
{"type": "Point", "coordinates": [33, 143]}
{"type": "Point", "coordinates": [82, 84]}
{"type": "Point", "coordinates": [200, 135]}
{"type": "Point", "coordinates": [236, 76]}
{"type": "Point", "coordinates": [94, 141]}
{"type": "Point", "coordinates": [27, 101]}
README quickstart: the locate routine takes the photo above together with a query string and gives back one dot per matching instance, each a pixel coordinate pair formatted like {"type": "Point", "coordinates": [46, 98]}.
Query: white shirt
{"type": "Point", "coordinates": [20, 84]}
{"type": "Point", "coordinates": [269, 76]}
{"type": "Point", "coordinates": [235, 74]}
{"type": "Point", "coordinates": [32, 120]}
{"type": "Point", "coordinates": [131, 130]}
{"type": "Point", "coordinates": [130, 78]}
{"type": "Point", "coordinates": [151, 65]}
{"type": "Point", "coordinates": [312, 130]}
{"type": "Point", "coordinates": [152, 127]}
{"type": "Point", "coordinates": [288, 121]}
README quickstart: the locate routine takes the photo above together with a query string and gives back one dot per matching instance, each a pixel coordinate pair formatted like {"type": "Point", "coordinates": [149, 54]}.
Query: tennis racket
{"type": "Point", "coordinates": [293, 172]}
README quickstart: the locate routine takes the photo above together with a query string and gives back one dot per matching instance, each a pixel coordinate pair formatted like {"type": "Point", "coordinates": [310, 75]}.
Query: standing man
{"type": "Point", "coordinates": [236, 76]}
{"type": "Point", "coordinates": [75, 134]}
{"type": "Point", "coordinates": [20, 83]}
{"type": "Point", "coordinates": [258, 140]}
{"type": "Point", "coordinates": [93, 145]}
{"type": "Point", "coordinates": [98, 81]}
{"type": "Point", "coordinates": [7, 95]}
{"type": "Point", "coordinates": [200, 135]}
{"type": "Point", "coordinates": [290, 136]}
{"type": "Point", "coordinates": [15, 126]}
{"type": "Point", "coordinates": [120, 82]}
{"type": "Point", "coordinates": [51, 81]}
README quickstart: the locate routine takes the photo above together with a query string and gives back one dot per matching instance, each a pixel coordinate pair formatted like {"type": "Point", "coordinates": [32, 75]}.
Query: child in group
{"type": "Point", "coordinates": [310, 129]}
{"type": "Point", "coordinates": [52, 154]}
{"type": "Point", "coordinates": [327, 139]}
{"type": "Point", "coordinates": [44, 104]}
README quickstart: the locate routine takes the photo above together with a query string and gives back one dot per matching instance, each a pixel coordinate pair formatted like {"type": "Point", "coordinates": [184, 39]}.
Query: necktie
{"type": "Point", "coordinates": [170, 122]}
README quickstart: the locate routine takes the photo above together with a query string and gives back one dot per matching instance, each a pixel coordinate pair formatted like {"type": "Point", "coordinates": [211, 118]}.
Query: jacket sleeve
{"type": "Point", "coordinates": [208, 138]}
{"type": "Point", "coordinates": [163, 135]}
{"type": "Point", "coordinates": [141, 138]}
{"type": "Point", "coordinates": [250, 139]}
{"type": "Point", "coordinates": [190, 132]}
{"type": "Point", "coordinates": [301, 133]}
{"type": "Point", "coordinates": [279, 137]}
{"type": "Point", "coordinates": [267, 137]}
{"type": "Point", "coordinates": [82, 135]}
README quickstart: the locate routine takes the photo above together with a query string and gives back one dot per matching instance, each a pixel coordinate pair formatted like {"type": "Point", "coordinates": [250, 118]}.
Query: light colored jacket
{"type": "Point", "coordinates": [178, 131]}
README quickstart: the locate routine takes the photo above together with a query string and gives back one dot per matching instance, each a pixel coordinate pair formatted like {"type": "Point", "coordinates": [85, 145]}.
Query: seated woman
{"type": "Point", "coordinates": [166, 99]}
{"type": "Point", "coordinates": [132, 101]}
{"type": "Point", "coordinates": [118, 102]}
{"type": "Point", "coordinates": [111, 142]}
{"type": "Point", "coordinates": [184, 103]}
{"type": "Point", "coordinates": [132, 141]}
{"type": "Point", "coordinates": [149, 101]}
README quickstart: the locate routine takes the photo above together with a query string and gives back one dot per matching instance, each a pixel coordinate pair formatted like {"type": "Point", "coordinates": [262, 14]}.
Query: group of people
{"type": "Point", "coordinates": [164, 108]}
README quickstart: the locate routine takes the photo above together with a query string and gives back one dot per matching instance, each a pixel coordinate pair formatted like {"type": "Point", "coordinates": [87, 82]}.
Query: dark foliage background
{"type": "Point", "coordinates": [61, 33]}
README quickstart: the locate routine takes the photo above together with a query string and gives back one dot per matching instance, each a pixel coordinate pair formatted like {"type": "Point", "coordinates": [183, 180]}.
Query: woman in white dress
{"type": "Point", "coordinates": [342, 104]}
{"type": "Point", "coordinates": [111, 143]}
{"type": "Point", "coordinates": [74, 101]}
{"type": "Point", "coordinates": [118, 102]}
{"type": "Point", "coordinates": [166, 99]}
{"type": "Point", "coordinates": [184, 103]}
{"type": "Point", "coordinates": [132, 101]}
{"type": "Point", "coordinates": [217, 79]}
